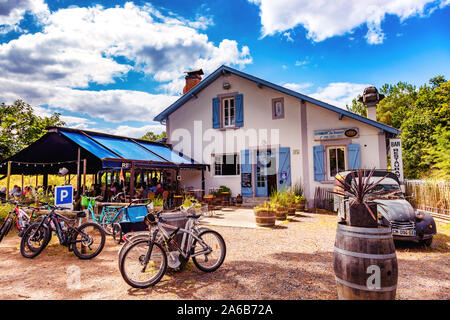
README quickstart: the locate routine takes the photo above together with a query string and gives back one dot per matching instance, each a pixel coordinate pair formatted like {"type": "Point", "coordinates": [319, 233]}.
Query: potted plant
{"type": "Point", "coordinates": [360, 238]}
{"type": "Point", "coordinates": [278, 201]}
{"type": "Point", "coordinates": [239, 200]}
{"type": "Point", "coordinates": [290, 198]}
{"type": "Point", "coordinates": [362, 209]}
{"type": "Point", "coordinates": [264, 215]}
{"type": "Point", "coordinates": [300, 202]}
{"type": "Point", "coordinates": [158, 204]}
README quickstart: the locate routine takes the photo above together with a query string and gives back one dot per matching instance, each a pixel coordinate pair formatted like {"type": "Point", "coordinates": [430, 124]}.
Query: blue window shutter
{"type": "Point", "coordinates": [319, 163]}
{"type": "Point", "coordinates": [354, 161]}
{"type": "Point", "coordinates": [246, 174]}
{"type": "Point", "coordinates": [284, 168]}
{"type": "Point", "coordinates": [216, 113]}
{"type": "Point", "coordinates": [239, 103]}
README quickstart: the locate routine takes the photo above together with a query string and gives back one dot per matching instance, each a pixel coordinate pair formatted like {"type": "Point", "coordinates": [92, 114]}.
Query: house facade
{"type": "Point", "coordinates": [258, 137]}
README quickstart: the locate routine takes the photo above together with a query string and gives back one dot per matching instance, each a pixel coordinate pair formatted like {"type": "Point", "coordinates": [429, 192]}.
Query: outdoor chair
{"type": "Point", "coordinates": [166, 200]}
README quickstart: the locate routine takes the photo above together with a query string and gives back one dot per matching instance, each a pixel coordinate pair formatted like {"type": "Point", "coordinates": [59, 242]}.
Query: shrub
{"type": "Point", "coordinates": [298, 189]}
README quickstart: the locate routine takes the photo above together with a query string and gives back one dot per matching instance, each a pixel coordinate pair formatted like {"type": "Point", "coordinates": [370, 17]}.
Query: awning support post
{"type": "Point", "coordinates": [77, 196]}
{"type": "Point", "coordinates": [203, 181]}
{"type": "Point", "coordinates": [8, 178]}
{"type": "Point", "coordinates": [84, 175]}
{"type": "Point", "coordinates": [132, 177]}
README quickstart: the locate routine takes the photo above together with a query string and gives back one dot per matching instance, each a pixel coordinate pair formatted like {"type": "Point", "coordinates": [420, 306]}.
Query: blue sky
{"type": "Point", "coordinates": [113, 65]}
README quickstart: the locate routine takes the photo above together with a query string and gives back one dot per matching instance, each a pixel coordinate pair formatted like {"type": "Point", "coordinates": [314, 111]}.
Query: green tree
{"type": "Point", "coordinates": [19, 127]}
{"type": "Point", "coordinates": [357, 107]}
{"type": "Point", "coordinates": [423, 116]}
{"type": "Point", "coordinates": [150, 136]}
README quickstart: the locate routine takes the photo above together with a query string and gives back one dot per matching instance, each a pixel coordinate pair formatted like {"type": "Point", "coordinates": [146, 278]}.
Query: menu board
{"type": "Point", "coordinates": [246, 180]}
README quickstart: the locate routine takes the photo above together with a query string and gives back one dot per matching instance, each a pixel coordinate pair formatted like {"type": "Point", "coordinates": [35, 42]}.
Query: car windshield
{"type": "Point", "coordinates": [387, 187]}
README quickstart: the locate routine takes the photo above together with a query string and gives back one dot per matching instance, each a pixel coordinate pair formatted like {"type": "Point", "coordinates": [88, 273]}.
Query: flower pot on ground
{"type": "Point", "coordinates": [239, 200]}
{"type": "Point", "coordinates": [281, 213]}
{"type": "Point", "coordinates": [300, 203]}
{"type": "Point", "coordinates": [264, 215]}
{"type": "Point", "coordinates": [365, 263]}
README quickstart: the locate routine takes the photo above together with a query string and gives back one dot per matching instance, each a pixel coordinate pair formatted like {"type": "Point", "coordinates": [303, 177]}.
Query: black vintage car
{"type": "Point", "coordinates": [395, 211]}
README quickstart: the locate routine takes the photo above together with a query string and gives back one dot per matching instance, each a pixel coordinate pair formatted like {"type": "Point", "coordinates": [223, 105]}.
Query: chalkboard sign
{"type": "Point", "coordinates": [246, 180]}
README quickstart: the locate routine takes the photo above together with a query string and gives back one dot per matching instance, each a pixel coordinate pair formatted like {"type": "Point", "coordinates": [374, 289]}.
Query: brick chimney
{"type": "Point", "coordinates": [192, 79]}
{"type": "Point", "coordinates": [370, 99]}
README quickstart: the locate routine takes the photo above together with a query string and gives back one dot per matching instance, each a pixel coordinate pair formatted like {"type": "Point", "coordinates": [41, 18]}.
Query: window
{"type": "Point", "coordinates": [336, 161]}
{"type": "Point", "coordinates": [278, 108]}
{"type": "Point", "coordinates": [228, 112]}
{"type": "Point", "coordinates": [226, 165]}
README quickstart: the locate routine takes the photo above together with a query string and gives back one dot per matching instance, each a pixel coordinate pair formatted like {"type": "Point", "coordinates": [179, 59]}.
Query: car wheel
{"type": "Point", "coordinates": [427, 242]}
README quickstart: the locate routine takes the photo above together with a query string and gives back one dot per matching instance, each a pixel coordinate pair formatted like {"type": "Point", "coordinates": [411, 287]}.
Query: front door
{"type": "Point", "coordinates": [265, 169]}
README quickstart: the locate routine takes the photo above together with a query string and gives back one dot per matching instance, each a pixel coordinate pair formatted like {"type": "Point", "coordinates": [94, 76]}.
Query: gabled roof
{"type": "Point", "coordinates": [260, 82]}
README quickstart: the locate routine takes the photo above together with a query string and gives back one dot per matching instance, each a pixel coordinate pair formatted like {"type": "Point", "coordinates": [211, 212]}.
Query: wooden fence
{"type": "Point", "coordinates": [323, 199]}
{"type": "Point", "coordinates": [432, 196]}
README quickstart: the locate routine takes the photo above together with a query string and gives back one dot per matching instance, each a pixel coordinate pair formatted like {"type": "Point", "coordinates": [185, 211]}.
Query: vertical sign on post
{"type": "Point", "coordinates": [64, 196]}
{"type": "Point", "coordinates": [396, 157]}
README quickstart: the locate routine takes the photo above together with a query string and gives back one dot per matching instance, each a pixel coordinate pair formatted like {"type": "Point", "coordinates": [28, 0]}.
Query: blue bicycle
{"type": "Point", "coordinates": [108, 216]}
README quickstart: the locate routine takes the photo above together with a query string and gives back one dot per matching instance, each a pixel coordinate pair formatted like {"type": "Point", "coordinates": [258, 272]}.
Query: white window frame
{"type": "Point", "coordinates": [238, 165]}
{"type": "Point", "coordinates": [231, 120]}
{"type": "Point", "coordinates": [328, 169]}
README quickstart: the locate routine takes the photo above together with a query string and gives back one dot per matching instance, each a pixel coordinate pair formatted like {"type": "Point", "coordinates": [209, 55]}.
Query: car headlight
{"type": "Point", "coordinates": [420, 215]}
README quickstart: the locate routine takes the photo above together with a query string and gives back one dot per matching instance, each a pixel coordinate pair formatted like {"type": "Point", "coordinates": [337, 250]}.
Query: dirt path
{"type": "Point", "coordinates": [293, 261]}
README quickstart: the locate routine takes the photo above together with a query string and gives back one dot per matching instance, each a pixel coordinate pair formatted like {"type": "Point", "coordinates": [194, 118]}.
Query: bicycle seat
{"type": "Point", "coordinates": [80, 214]}
{"type": "Point", "coordinates": [194, 216]}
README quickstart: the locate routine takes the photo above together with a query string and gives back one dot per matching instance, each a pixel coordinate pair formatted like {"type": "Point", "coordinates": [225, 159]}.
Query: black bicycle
{"type": "Point", "coordinates": [144, 262]}
{"type": "Point", "coordinates": [86, 241]}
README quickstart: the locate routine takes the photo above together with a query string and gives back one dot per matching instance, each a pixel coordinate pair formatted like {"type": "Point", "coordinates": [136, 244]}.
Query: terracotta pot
{"type": "Point", "coordinates": [264, 218]}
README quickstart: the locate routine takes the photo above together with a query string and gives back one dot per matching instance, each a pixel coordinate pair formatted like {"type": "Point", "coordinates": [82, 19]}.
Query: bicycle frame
{"type": "Point", "coordinates": [55, 217]}
{"type": "Point", "coordinates": [188, 238]}
{"type": "Point", "coordinates": [104, 212]}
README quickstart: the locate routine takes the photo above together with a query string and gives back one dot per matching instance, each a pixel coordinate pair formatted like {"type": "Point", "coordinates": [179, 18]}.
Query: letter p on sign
{"type": "Point", "coordinates": [64, 196]}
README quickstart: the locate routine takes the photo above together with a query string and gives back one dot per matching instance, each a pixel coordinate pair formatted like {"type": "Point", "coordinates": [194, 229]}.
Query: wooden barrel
{"type": "Point", "coordinates": [281, 213]}
{"type": "Point", "coordinates": [300, 206]}
{"type": "Point", "coordinates": [291, 210]}
{"type": "Point", "coordinates": [365, 263]}
{"type": "Point", "coordinates": [265, 218]}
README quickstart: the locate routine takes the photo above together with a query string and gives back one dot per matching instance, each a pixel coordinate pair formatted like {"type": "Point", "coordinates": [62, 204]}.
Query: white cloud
{"type": "Point", "coordinates": [110, 105]}
{"type": "Point", "coordinates": [301, 63]}
{"type": "Point", "coordinates": [297, 86]}
{"type": "Point", "coordinates": [325, 19]}
{"type": "Point", "coordinates": [339, 94]}
{"type": "Point", "coordinates": [78, 47]}
{"type": "Point", "coordinates": [138, 132]}
{"type": "Point", "coordinates": [12, 12]}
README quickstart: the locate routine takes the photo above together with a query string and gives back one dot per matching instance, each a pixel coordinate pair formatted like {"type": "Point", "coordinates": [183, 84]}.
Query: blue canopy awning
{"type": "Point", "coordinates": [60, 146]}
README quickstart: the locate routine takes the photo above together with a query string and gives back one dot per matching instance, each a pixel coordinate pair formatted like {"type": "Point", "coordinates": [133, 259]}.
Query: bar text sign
{"type": "Point", "coordinates": [396, 157]}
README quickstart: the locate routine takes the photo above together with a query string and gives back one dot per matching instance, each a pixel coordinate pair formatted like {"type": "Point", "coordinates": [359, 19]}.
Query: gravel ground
{"type": "Point", "coordinates": [293, 261]}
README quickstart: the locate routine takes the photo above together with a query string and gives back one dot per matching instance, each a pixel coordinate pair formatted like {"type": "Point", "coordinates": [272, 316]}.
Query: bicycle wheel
{"type": "Point", "coordinates": [89, 241]}
{"type": "Point", "coordinates": [34, 240]}
{"type": "Point", "coordinates": [107, 222]}
{"type": "Point", "coordinates": [6, 226]}
{"type": "Point", "coordinates": [213, 241]}
{"type": "Point", "coordinates": [132, 267]}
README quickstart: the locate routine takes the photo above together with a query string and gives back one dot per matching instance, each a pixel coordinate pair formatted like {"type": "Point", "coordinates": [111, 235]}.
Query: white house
{"type": "Point", "coordinates": [258, 136]}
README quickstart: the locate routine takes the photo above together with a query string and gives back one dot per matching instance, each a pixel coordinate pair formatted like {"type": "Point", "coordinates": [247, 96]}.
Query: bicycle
{"type": "Point", "coordinates": [108, 216]}
{"type": "Point", "coordinates": [175, 261]}
{"type": "Point", "coordinates": [144, 262]}
{"type": "Point", "coordinates": [22, 219]}
{"type": "Point", "coordinates": [79, 239]}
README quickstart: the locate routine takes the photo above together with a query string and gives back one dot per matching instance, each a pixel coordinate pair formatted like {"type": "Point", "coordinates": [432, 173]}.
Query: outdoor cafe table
{"type": "Point", "coordinates": [197, 193]}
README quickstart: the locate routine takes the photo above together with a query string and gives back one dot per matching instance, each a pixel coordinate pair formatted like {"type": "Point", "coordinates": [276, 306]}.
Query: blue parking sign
{"type": "Point", "coordinates": [64, 196]}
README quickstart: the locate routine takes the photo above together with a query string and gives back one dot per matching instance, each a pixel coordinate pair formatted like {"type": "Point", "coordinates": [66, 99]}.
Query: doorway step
{"type": "Point", "coordinates": [251, 202]}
